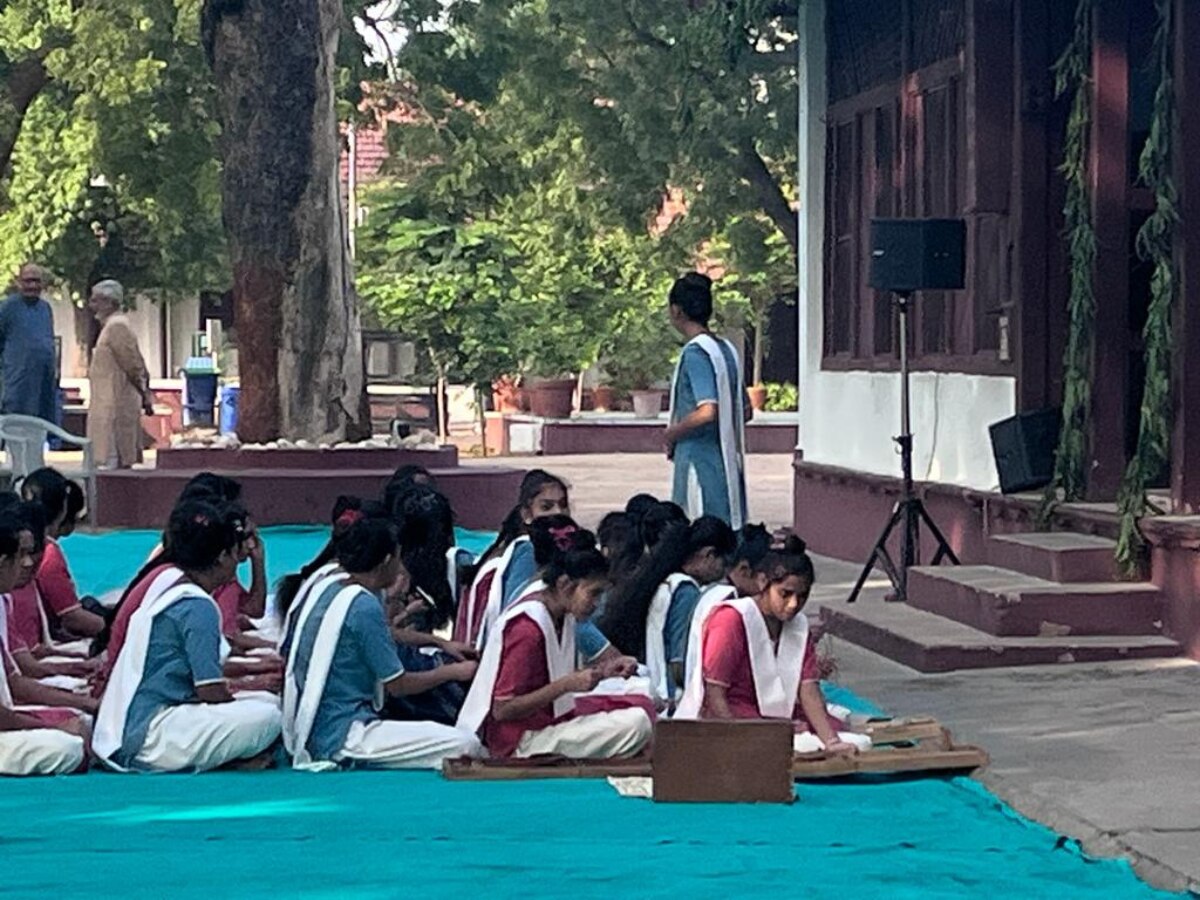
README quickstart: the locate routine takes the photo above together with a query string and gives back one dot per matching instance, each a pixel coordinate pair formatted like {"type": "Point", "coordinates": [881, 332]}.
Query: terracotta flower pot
{"type": "Point", "coordinates": [551, 398]}
{"type": "Point", "coordinates": [506, 396]}
{"type": "Point", "coordinates": [647, 404]}
{"type": "Point", "coordinates": [758, 397]}
{"type": "Point", "coordinates": [603, 398]}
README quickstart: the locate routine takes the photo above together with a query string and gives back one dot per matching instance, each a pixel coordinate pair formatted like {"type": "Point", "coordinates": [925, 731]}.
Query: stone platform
{"type": "Point", "coordinates": [202, 459]}
{"type": "Point", "coordinates": [620, 433]}
{"type": "Point", "coordinates": [142, 498]}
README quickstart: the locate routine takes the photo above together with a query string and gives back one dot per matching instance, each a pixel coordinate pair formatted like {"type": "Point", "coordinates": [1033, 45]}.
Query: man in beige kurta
{"type": "Point", "coordinates": [120, 383]}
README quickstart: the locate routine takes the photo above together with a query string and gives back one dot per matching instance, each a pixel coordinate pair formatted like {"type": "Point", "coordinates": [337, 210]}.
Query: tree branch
{"type": "Point", "coordinates": [770, 196]}
{"type": "Point", "coordinates": [25, 81]}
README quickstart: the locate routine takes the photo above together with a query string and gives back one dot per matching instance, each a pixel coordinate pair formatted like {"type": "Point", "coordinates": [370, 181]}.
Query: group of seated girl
{"type": "Point", "coordinates": [394, 648]}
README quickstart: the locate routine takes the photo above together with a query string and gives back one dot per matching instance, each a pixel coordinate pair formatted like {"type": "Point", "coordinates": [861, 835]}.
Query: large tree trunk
{"type": "Point", "coordinates": [299, 332]}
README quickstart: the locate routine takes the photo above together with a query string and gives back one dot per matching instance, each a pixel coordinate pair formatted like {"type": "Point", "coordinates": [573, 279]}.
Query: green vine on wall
{"type": "Point", "coordinates": [1154, 245]}
{"type": "Point", "coordinates": [1072, 76]}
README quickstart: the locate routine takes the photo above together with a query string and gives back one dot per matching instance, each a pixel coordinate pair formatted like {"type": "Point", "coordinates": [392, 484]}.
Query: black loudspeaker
{"type": "Point", "coordinates": [918, 254]}
{"type": "Point", "coordinates": [1024, 449]}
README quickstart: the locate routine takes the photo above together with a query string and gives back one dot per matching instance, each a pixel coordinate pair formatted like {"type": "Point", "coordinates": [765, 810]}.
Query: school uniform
{"type": "Point", "coordinates": [525, 653]}
{"type": "Point", "coordinates": [668, 623]}
{"type": "Point", "coordinates": [733, 648]}
{"type": "Point", "coordinates": [709, 463]}
{"type": "Point", "coordinates": [150, 718]}
{"type": "Point", "coordinates": [29, 628]}
{"type": "Point", "coordinates": [340, 654]}
{"type": "Point", "coordinates": [503, 584]}
{"type": "Point", "coordinates": [36, 751]}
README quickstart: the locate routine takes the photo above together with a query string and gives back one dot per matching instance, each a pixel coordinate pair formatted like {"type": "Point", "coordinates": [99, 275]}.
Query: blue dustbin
{"type": "Point", "coordinates": [199, 397]}
{"type": "Point", "coordinates": [229, 408]}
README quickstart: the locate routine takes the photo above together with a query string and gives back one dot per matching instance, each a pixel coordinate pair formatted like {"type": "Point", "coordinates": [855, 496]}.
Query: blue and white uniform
{"type": "Point", "coordinates": [150, 718]}
{"type": "Point", "coordinates": [710, 476]}
{"type": "Point", "coordinates": [342, 655]}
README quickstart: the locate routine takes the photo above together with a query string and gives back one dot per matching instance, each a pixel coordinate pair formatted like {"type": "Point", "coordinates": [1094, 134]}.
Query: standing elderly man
{"type": "Point", "coordinates": [120, 382]}
{"type": "Point", "coordinates": [30, 364]}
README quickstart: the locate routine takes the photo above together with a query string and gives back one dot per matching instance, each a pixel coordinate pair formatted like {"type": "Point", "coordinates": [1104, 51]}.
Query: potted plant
{"type": "Point", "coordinates": [507, 394]}
{"type": "Point", "coordinates": [604, 397]}
{"type": "Point", "coordinates": [760, 273]}
{"type": "Point", "coordinates": [638, 358]}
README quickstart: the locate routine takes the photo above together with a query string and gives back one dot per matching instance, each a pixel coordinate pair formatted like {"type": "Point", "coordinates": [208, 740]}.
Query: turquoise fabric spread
{"type": "Point", "coordinates": [411, 834]}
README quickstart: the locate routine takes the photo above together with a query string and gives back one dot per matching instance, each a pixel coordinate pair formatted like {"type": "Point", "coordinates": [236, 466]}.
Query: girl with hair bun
{"type": "Point", "coordinates": [167, 706]}
{"type": "Point", "coordinates": [509, 566]}
{"type": "Point", "coordinates": [523, 699]}
{"type": "Point", "coordinates": [754, 657]}
{"type": "Point", "coordinates": [342, 659]}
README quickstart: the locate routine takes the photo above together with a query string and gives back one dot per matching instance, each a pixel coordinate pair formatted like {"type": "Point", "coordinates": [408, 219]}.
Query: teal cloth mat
{"type": "Point", "coordinates": [409, 834]}
{"type": "Point", "coordinates": [103, 562]}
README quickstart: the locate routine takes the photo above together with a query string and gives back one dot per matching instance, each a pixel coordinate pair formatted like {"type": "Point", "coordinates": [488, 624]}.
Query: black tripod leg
{"type": "Point", "coordinates": [878, 554]}
{"type": "Point", "coordinates": [944, 550]}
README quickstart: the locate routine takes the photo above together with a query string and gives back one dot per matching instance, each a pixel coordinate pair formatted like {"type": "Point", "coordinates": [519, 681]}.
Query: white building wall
{"type": "Point", "coordinates": [147, 322]}
{"type": "Point", "coordinates": [848, 419]}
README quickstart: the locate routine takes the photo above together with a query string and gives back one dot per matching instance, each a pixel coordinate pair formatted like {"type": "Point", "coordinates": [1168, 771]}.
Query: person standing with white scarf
{"type": "Point", "coordinates": [709, 409]}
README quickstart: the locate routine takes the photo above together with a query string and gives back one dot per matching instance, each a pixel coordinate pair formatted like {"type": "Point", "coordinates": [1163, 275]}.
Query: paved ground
{"type": "Point", "coordinates": [1108, 754]}
{"type": "Point", "coordinates": [601, 483]}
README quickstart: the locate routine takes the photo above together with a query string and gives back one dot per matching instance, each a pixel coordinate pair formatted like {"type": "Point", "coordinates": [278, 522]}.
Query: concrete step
{"type": "Point", "coordinates": [931, 643]}
{"type": "Point", "coordinates": [1006, 603]}
{"type": "Point", "coordinates": [1062, 556]}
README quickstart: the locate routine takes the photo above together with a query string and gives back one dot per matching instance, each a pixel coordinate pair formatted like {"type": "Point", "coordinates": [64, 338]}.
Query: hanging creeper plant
{"type": "Point", "coordinates": [1154, 245]}
{"type": "Point", "coordinates": [1072, 76]}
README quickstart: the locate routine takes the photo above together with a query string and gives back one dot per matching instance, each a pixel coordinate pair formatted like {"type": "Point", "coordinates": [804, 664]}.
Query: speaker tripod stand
{"type": "Point", "coordinates": [909, 513]}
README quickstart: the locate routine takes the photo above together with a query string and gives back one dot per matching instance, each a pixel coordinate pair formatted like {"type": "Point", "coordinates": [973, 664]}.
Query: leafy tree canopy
{"type": "Point", "coordinates": [700, 95]}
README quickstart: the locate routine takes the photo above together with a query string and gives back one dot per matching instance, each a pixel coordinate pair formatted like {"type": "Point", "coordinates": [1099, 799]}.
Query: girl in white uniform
{"type": "Point", "coordinates": [167, 707]}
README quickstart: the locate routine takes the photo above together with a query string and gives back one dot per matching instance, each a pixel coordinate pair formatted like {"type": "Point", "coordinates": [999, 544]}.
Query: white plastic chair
{"type": "Point", "coordinates": [24, 440]}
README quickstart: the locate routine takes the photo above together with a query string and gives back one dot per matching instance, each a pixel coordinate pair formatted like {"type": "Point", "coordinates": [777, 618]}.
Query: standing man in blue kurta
{"type": "Point", "coordinates": [30, 366]}
{"type": "Point", "coordinates": [709, 408]}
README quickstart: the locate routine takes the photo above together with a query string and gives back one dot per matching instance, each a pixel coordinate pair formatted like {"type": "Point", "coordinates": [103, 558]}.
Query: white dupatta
{"type": "Point", "coordinates": [656, 625]}
{"type": "Point", "coordinates": [560, 661]}
{"type": "Point", "coordinates": [130, 664]}
{"type": "Point", "coordinates": [301, 702]}
{"type": "Point", "coordinates": [731, 425]}
{"type": "Point", "coordinates": [297, 615]}
{"type": "Point", "coordinates": [495, 598]}
{"type": "Point", "coordinates": [6, 699]}
{"type": "Point", "coordinates": [775, 669]}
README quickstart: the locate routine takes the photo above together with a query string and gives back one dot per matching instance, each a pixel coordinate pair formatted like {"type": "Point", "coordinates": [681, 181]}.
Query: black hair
{"type": "Point", "coordinates": [618, 534]}
{"type": "Point", "coordinates": [791, 558]}
{"type": "Point", "coordinates": [55, 493]}
{"type": "Point", "coordinates": [10, 502]}
{"type": "Point", "coordinates": [639, 505]}
{"type": "Point", "coordinates": [534, 482]}
{"type": "Point", "coordinates": [554, 535]}
{"type": "Point", "coordinates": [404, 479]}
{"type": "Point", "coordinates": [692, 294]}
{"type": "Point", "coordinates": [199, 531]}
{"type": "Point", "coordinates": [425, 521]}
{"type": "Point", "coordinates": [32, 519]}
{"type": "Point", "coordinates": [211, 487]}
{"type": "Point", "coordinates": [365, 543]}
{"type": "Point", "coordinates": [10, 534]}
{"type": "Point", "coordinates": [657, 519]}
{"type": "Point", "coordinates": [577, 558]}
{"type": "Point", "coordinates": [624, 618]}
{"type": "Point", "coordinates": [754, 541]}
{"type": "Point", "coordinates": [289, 585]}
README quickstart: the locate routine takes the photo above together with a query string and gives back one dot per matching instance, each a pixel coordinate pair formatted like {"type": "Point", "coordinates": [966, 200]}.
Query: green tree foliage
{"type": "Point", "coordinates": [759, 272]}
{"type": "Point", "coordinates": [700, 95]}
{"type": "Point", "coordinates": [125, 103]}
{"type": "Point", "coordinates": [118, 91]}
